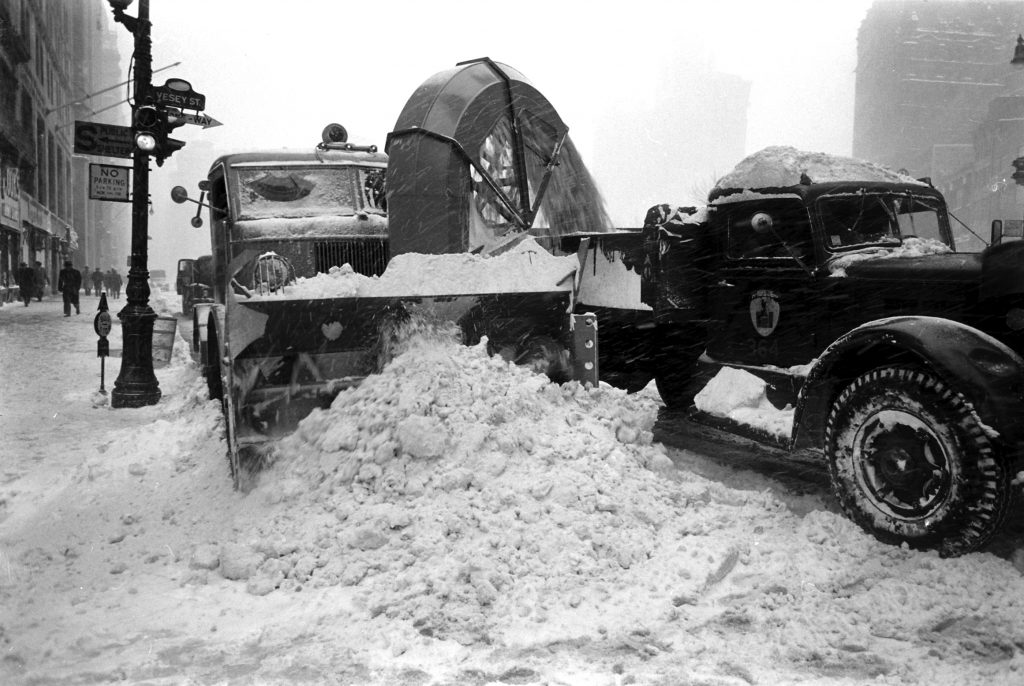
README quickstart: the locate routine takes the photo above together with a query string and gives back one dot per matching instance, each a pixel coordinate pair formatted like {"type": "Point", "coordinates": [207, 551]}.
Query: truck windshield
{"type": "Point", "coordinates": [308, 192]}
{"type": "Point", "coordinates": [866, 219]}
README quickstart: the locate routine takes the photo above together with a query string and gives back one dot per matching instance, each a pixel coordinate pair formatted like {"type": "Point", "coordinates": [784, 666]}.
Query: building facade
{"type": "Point", "coordinates": [55, 56]}
{"type": "Point", "coordinates": [936, 96]}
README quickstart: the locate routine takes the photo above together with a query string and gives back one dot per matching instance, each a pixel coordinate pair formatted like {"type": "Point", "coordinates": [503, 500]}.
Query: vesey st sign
{"type": "Point", "coordinates": [178, 93]}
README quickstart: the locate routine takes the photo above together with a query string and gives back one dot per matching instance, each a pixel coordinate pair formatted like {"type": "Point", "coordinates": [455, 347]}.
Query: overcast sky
{"type": "Point", "coordinates": [275, 73]}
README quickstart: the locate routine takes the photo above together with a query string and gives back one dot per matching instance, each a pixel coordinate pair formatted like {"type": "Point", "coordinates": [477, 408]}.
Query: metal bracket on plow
{"type": "Point", "coordinates": [584, 348]}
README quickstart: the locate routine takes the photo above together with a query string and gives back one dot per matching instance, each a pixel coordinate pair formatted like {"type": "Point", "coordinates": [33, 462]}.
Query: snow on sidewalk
{"type": "Point", "coordinates": [453, 520]}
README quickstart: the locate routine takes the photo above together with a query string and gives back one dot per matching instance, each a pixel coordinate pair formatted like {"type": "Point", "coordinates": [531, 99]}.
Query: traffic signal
{"type": "Point", "coordinates": [166, 146]}
{"type": "Point", "coordinates": [152, 127]}
{"type": "Point", "coordinates": [146, 125]}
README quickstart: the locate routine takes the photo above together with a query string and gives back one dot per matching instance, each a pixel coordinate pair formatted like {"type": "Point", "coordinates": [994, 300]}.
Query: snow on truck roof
{"type": "Point", "coordinates": [779, 167]}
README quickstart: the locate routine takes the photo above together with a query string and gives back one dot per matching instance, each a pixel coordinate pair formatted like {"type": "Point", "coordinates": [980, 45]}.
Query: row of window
{"type": "Point", "coordinates": [41, 25]}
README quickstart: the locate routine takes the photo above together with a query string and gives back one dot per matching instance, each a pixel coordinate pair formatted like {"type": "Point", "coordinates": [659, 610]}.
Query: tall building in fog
{"type": "Point", "coordinates": [936, 95]}
{"type": "Point", "coordinates": [926, 73]}
{"type": "Point", "coordinates": [54, 56]}
{"type": "Point", "coordinates": [688, 132]}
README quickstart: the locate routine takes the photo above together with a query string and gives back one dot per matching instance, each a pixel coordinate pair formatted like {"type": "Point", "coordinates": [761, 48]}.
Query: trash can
{"type": "Point", "coordinates": [164, 330]}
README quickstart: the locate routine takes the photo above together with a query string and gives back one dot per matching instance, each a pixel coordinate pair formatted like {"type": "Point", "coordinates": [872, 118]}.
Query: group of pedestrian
{"type": "Point", "coordinates": [33, 280]}
{"type": "Point", "coordinates": [111, 281]}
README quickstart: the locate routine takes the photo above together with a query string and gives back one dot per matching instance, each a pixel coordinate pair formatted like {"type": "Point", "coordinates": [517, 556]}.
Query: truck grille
{"type": "Point", "coordinates": [368, 256]}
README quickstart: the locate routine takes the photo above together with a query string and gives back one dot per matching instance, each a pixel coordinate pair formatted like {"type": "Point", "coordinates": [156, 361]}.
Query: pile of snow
{"type": "Point", "coordinates": [527, 267]}
{"type": "Point", "coordinates": [455, 520]}
{"type": "Point", "coordinates": [464, 501]}
{"type": "Point", "coordinates": [782, 166]}
{"type": "Point", "coordinates": [911, 247]}
{"type": "Point", "coordinates": [740, 396]}
{"type": "Point", "coordinates": [466, 496]}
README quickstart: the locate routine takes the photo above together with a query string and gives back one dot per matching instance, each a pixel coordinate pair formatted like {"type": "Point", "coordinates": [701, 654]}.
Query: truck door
{"type": "Point", "coordinates": [765, 298]}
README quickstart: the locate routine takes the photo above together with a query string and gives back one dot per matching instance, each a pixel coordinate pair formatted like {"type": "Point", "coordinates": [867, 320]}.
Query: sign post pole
{"type": "Point", "coordinates": [101, 324]}
{"type": "Point", "coordinates": [136, 385]}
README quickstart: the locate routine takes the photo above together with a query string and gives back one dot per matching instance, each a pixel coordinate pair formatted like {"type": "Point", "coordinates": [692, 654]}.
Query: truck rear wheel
{"type": "Point", "coordinates": [911, 462]}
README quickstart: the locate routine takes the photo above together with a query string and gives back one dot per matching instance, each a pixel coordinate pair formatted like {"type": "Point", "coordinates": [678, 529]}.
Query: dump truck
{"type": "Point", "coordinates": [306, 247]}
{"type": "Point", "coordinates": [892, 357]}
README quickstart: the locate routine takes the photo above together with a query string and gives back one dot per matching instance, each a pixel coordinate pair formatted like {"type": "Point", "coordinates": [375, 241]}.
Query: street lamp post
{"type": "Point", "coordinates": [136, 384]}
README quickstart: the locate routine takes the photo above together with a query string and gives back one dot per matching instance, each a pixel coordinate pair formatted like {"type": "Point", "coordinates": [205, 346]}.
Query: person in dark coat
{"type": "Point", "coordinates": [69, 281]}
{"type": "Point", "coordinates": [41, 280]}
{"type": "Point", "coordinates": [86, 282]}
{"type": "Point", "coordinates": [113, 282]}
{"type": "Point", "coordinates": [26, 279]}
{"type": "Point", "coordinates": [97, 281]}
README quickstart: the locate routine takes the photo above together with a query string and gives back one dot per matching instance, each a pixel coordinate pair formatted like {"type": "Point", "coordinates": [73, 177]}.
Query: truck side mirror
{"type": "Point", "coordinates": [179, 194]}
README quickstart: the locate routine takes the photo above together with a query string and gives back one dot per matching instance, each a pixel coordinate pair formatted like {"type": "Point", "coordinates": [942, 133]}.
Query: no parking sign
{"type": "Point", "coordinates": [109, 182]}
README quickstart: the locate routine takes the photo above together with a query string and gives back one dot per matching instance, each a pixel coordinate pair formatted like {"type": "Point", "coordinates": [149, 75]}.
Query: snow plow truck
{"type": "Point", "coordinates": [468, 171]}
{"type": "Point", "coordinates": [894, 360]}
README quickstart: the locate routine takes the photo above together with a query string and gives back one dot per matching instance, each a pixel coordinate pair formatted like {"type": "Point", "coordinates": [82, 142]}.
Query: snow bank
{"type": "Point", "coordinates": [740, 396]}
{"type": "Point", "coordinates": [781, 166]}
{"type": "Point", "coordinates": [465, 501]}
{"type": "Point", "coordinates": [453, 521]}
{"type": "Point", "coordinates": [466, 495]}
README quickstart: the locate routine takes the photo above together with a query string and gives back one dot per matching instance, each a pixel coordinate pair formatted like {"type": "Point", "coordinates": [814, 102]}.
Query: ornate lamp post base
{"type": "Point", "coordinates": [136, 384]}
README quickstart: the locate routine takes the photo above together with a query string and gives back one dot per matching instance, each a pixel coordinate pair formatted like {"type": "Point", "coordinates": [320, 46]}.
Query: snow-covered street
{"type": "Point", "coordinates": [454, 520]}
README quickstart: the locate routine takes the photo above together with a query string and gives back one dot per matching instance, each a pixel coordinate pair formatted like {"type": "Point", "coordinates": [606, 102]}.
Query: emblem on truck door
{"type": "Point", "coordinates": [764, 311]}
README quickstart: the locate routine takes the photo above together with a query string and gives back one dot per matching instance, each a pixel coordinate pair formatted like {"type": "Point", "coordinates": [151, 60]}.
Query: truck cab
{"type": "Point", "coordinates": [836, 255]}
{"type": "Point", "coordinates": [313, 210]}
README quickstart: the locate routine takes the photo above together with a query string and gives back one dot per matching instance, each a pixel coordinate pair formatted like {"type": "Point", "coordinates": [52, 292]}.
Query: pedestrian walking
{"type": "Point", "coordinates": [69, 281]}
{"type": "Point", "coordinates": [26, 279]}
{"type": "Point", "coordinates": [86, 282]}
{"type": "Point", "coordinates": [97, 281]}
{"type": "Point", "coordinates": [41, 280]}
{"type": "Point", "coordinates": [115, 283]}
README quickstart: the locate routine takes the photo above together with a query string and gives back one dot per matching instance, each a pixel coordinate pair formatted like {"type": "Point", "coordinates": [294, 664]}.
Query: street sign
{"type": "Point", "coordinates": [109, 182]}
{"type": "Point", "coordinates": [186, 100]}
{"type": "Point", "coordinates": [203, 120]}
{"type": "Point", "coordinates": [103, 140]}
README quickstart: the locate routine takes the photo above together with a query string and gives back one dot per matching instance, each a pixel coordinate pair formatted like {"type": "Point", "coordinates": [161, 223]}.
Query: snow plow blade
{"type": "Point", "coordinates": [288, 357]}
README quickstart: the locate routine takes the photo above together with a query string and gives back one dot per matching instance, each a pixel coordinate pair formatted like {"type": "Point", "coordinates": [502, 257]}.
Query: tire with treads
{"type": "Point", "coordinates": [911, 462]}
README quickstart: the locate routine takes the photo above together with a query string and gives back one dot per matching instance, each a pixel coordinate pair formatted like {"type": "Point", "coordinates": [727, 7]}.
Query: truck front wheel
{"type": "Point", "coordinates": [911, 462]}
